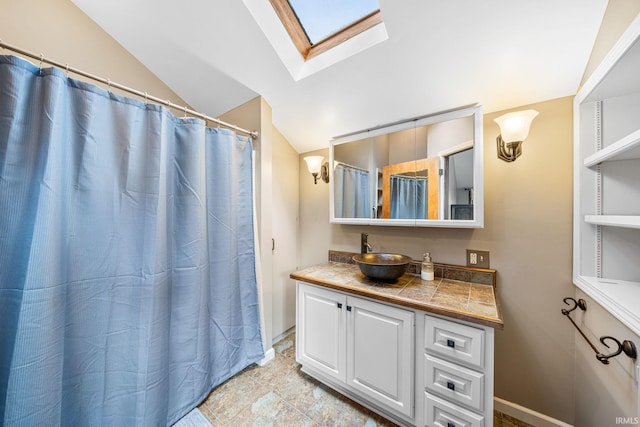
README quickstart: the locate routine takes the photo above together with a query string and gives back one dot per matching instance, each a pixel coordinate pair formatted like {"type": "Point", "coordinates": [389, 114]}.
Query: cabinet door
{"type": "Point", "coordinates": [380, 353]}
{"type": "Point", "coordinates": [321, 331]}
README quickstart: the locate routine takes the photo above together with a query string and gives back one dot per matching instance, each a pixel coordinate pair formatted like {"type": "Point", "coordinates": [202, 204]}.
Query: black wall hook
{"type": "Point", "coordinates": [628, 347]}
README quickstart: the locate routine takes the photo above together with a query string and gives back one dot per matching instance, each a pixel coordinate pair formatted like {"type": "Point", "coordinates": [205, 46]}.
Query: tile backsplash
{"type": "Point", "coordinates": [446, 271]}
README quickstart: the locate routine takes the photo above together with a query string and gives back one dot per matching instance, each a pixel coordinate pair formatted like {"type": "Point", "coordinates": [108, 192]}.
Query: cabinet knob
{"type": "Point", "coordinates": [339, 305]}
{"type": "Point", "coordinates": [450, 424]}
{"type": "Point", "coordinates": [451, 386]}
{"type": "Point", "coordinates": [348, 308]}
{"type": "Point", "coordinates": [451, 343]}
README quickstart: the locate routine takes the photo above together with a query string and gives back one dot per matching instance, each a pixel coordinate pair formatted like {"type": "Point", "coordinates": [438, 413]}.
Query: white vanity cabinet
{"type": "Point", "coordinates": [607, 181]}
{"type": "Point", "coordinates": [416, 368]}
{"type": "Point", "coordinates": [360, 347]}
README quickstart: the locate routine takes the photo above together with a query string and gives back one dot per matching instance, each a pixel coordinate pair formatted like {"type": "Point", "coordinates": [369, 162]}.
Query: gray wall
{"type": "Point", "coordinates": [604, 393]}
{"type": "Point", "coordinates": [528, 219]}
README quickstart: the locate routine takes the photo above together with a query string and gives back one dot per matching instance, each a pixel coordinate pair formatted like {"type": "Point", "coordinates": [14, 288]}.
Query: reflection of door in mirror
{"type": "Point", "coordinates": [458, 183]}
{"type": "Point", "coordinates": [403, 189]}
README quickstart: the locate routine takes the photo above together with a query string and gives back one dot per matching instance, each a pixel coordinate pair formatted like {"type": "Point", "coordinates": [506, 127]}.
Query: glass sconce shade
{"type": "Point", "coordinates": [317, 167]}
{"type": "Point", "coordinates": [515, 126]}
{"type": "Point", "coordinates": [314, 163]}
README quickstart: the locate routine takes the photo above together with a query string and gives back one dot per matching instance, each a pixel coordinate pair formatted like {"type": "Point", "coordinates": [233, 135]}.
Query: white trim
{"type": "Point", "coordinates": [474, 111]}
{"type": "Point", "coordinates": [268, 21]}
{"type": "Point", "coordinates": [429, 119]}
{"type": "Point", "coordinates": [457, 149]}
{"type": "Point", "coordinates": [618, 297]}
{"type": "Point", "coordinates": [269, 355]}
{"type": "Point", "coordinates": [527, 415]}
{"type": "Point", "coordinates": [284, 334]}
{"type": "Point", "coordinates": [593, 88]}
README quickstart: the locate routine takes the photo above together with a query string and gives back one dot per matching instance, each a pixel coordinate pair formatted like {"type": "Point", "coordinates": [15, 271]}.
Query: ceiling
{"type": "Point", "coordinates": [439, 55]}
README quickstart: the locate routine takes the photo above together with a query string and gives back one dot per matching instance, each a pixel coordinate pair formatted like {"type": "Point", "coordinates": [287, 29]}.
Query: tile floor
{"type": "Point", "coordinates": [279, 394]}
{"type": "Point", "coordinates": [504, 420]}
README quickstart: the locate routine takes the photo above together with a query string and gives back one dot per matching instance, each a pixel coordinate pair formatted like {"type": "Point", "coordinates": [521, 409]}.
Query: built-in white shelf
{"type": "Point", "coordinates": [606, 112]}
{"type": "Point", "coordinates": [623, 149]}
{"type": "Point", "coordinates": [624, 221]}
{"type": "Point", "coordinates": [619, 297]}
{"type": "Point", "coordinates": [617, 74]}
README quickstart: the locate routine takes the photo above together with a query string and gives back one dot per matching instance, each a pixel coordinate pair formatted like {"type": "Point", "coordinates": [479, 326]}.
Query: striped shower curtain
{"type": "Point", "coordinates": [351, 193]}
{"type": "Point", "coordinates": [127, 268]}
{"type": "Point", "coordinates": [408, 197]}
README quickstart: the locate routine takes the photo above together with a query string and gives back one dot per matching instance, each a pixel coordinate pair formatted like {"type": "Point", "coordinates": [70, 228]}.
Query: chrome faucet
{"type": "Point", "coordinates": [365, 247]}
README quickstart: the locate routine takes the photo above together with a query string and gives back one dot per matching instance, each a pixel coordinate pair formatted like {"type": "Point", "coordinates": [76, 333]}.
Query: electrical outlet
{"type": "Point", "coordinates": [477, 258]}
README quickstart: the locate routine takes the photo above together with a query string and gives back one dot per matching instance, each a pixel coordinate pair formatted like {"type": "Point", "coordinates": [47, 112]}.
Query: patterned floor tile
{"type": "Point", "coordinates": [280, 394]}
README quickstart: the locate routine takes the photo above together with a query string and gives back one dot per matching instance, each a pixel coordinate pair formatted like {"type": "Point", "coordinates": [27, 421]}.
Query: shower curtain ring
{"type": "Point", "coordinates": [41, 61]}
{"type": "Point", "coordinates": [109, 85]}
{"type": "Point", "coordinates": [185, 111]}
{"type": "Point", "coordinates": [67, 69]}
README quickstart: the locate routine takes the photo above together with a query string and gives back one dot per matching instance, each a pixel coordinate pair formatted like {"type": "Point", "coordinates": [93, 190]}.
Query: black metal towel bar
{"type": "Point", "coordinates": [628, 347]}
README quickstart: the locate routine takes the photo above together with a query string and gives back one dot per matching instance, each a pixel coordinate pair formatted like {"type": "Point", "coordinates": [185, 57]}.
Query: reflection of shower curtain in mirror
{"type": "Point", "coordinates": [408, 198]}
{"type": "Point", "coordinates": [351, 197]}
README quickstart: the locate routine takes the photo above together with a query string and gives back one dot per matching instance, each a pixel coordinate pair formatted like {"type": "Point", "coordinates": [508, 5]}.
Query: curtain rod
{"type": "Point", "coordinates": [352, 166]}
{"type": "Point", "coordinates": [110, 84]}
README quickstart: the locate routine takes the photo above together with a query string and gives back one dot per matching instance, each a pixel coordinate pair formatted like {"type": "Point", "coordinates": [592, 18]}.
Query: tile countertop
{"type": "Point", "coordinates": [468, 301]}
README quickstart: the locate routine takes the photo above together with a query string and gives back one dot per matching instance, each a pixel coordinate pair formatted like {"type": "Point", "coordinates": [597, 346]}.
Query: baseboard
{"type": "Point", "coordinates": [269, 355]}
{"type": "Point", "coordinates": [527, 415]}
{"type": "Point", "coordinates": [284, 334]}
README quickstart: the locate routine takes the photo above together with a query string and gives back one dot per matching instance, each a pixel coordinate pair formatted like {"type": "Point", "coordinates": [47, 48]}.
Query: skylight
{"type": "Point", "coordinates": [316, 26]}
{"type": "Point", "coordinates": [321, 19]}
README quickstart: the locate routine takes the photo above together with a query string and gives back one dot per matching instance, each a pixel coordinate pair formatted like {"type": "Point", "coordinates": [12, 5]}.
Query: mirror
{"type": "Point", "coordinates": [421, 172]}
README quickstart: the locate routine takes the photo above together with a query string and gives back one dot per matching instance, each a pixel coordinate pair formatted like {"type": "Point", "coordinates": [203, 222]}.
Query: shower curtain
{"type": "Point", "coordinates": [127, 276]}
{"type": "Point", "coordinates": [408, 198]}
{"type": "Point", "coordinates": [351, 198]}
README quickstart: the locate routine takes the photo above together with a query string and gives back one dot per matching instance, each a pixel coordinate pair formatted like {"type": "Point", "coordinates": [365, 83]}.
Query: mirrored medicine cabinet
{"type": "Point", "coordinates": [424, 172]}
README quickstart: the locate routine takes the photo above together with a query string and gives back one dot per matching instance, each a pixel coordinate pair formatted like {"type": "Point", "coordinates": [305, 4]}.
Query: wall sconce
{"type": "Point", "coordinates": [316, 166]}
{"type": "Point", "coordinates": [514, 128]}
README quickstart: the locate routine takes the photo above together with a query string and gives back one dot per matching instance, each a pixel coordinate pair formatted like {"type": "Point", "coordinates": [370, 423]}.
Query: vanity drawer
{"type": "Point", "coordinates": [455, 341]}
{"type": "Point", "coordinates": [441, 413]}
{"type": "Point", "coordinates": [456, 383]}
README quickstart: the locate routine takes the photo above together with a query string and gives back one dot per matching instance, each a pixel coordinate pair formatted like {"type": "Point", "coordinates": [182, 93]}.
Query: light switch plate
{"type": "Point", "coordinates": [477, 258]}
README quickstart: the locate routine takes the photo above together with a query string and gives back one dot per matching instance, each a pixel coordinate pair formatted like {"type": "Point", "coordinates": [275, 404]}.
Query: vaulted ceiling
{"type": "Point", "coordinates": [218, 54]}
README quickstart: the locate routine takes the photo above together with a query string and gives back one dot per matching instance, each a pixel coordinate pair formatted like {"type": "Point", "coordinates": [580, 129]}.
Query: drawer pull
{"type": "Point", "coordinates": [339, 305]}
{"type": "Point", "coordinates": [451, 343]}
{"type": "Point", "coordinates": [451, 386]}
{"type": "Point", "coordinates": [450, 424]}
{"type": "Point", "coordinates": [348, 308]}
